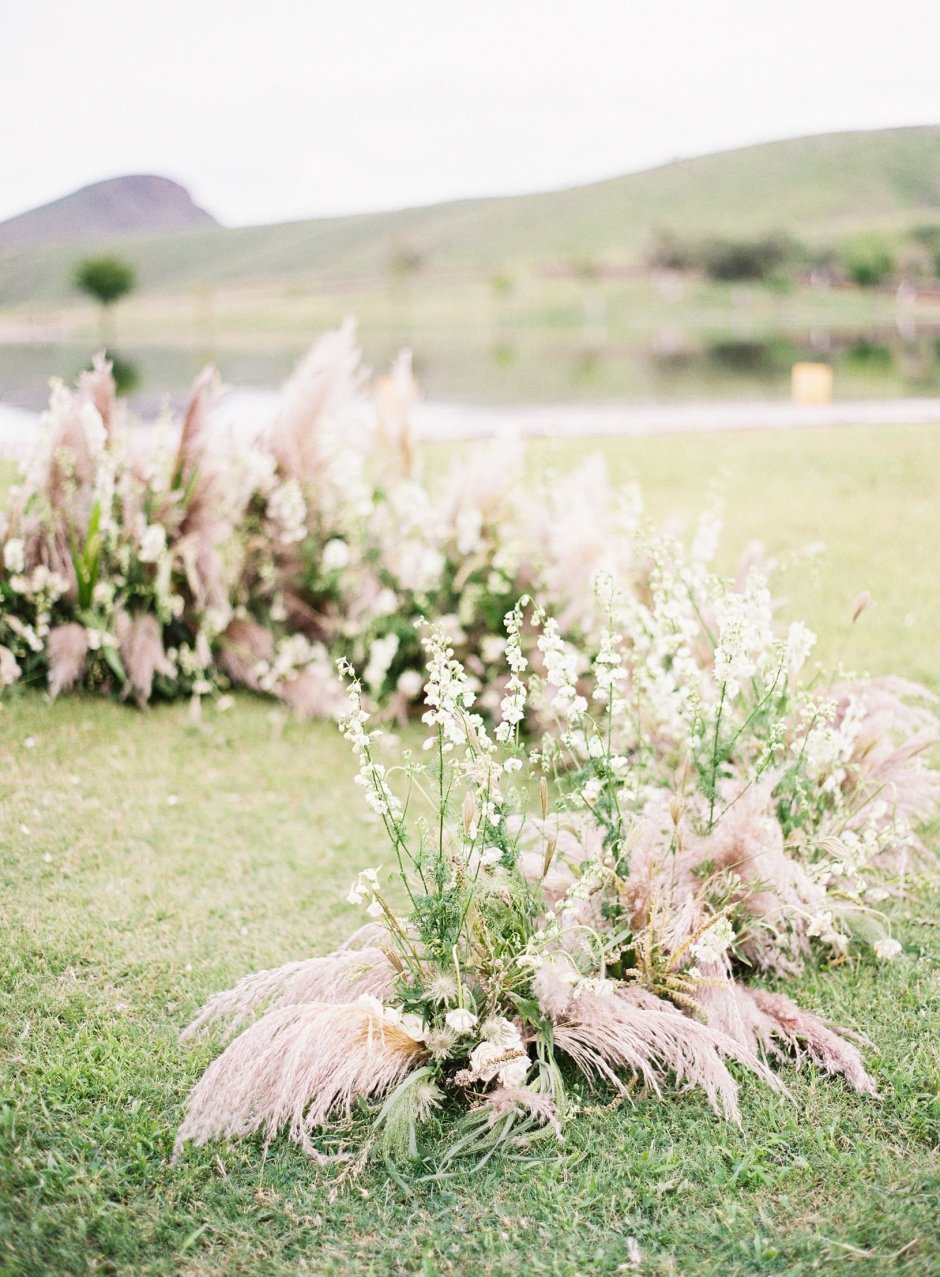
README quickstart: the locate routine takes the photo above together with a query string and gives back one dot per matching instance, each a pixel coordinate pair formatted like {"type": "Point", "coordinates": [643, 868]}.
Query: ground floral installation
{"type": "Point", "coordinates": [180, 562]}
{"type": "Point", "coordinates": [590, 890]}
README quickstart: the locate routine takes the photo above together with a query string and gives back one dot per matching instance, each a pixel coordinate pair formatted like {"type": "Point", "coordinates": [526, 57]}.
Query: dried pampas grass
{"type": "Point", "coordinates": [140, 643]}
{"type": "Point", "coordinates": [67, 646]}
{"type": "Point", "coordinates": [338, 977]}
{"type": "Point", "coordinates": [295, 1068]}
{"type": "Point", "coordinates": [636, 1032]}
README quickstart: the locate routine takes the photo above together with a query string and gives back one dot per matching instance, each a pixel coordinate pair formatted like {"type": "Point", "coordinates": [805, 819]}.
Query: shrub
{"type": "Point", "coordinates": [869, 262]}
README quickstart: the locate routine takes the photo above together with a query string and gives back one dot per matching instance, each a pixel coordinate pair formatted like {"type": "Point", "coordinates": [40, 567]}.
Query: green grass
{"type": "Point", "coordinates": [122, 909]}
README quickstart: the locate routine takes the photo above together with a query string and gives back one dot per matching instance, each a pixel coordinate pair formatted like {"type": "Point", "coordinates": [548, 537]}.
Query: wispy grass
{"type": "Point", "coordinates": [144, 864]}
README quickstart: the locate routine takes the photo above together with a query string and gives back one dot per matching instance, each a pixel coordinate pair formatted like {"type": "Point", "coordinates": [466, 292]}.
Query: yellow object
{"type": "Point", "coordinates": [811, 383]}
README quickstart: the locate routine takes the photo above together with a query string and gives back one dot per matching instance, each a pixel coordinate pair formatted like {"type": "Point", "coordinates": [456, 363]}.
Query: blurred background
{"type": "Point", "coordinates": [591, 204]}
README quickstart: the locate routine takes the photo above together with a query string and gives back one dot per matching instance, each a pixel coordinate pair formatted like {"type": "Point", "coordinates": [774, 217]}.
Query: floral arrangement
{"type": "Point", "coordinates": [185, 562]}
{"type": "Point", "coordinates": [583, 907]}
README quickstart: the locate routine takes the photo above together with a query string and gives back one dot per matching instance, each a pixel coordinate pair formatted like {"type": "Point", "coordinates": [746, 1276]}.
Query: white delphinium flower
{"type": "Point", "coordinates": [14, 555]}
{"type": "Point", "coordinates": [460, 1020]}
{"type": "Point", "coordinates": [800, 642]}
{"type": "Point", "coordinates": [512, 706]}
{"type": "Point", "coordinates": [561, 672]}
{"type": "Point", "coordinates": [371, 776]}
{"type": "Point", "coordinates": [609, 672]}
{"type": "Point", "coordinates": [287, 509]}
{"type": "Point", "coordinates": [410, 684]}
{"type": "Point", "coordinates": [469, 529]}
{"type": "Point", "coordinates": [152, 543]}
{"type": "Point", "coordinates": [745, 634]}
{"type": "Point", "coordinates": [823, 926]}
{"type": "Point", "coordinates": [9, 669]}
{"type": "Point", "coordinates": [713, 943]}
{"type": "Point", "coordinates": [707, 534]}
{"type": "Point", "coordinates": [887, 948]}
{"type": "Point", "coordinates": [381, 655]}
{"type": "Point", "coordinates": [335, 555]}
{"type": "Point", "coordinates": [447, 692]}
{"type": "Point", "coordinates": [367, 882]}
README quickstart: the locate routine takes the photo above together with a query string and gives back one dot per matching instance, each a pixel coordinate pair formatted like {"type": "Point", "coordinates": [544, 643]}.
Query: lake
{"type": "Point", "coordinates": [526, 365]}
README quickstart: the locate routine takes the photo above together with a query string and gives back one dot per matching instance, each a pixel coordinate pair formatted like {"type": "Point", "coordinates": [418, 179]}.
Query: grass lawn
{"type": "Point", "coordinates": [146, 863]}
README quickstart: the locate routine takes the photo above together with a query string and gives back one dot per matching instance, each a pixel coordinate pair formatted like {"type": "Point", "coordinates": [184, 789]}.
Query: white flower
{"type": "Point", "coordinates": [286, 507]}
{"type": "Point", "coordinates": [460, 1020]}
{"type": "Point", "coordinates": [501, 1056]}
{"type": "Point", "coordinates": [375, 910]}
{"type": "Point", "coordinates": [381, 655]}
{"type": "Point", "coordinates": [800, 642]}
{"type": "Point", "coordinates": [9, 670]}
{"type": "Point", "coordinates": [407, 1021]}
{"type": "Point", "coordinates": [592, 791]}
{"type": "Point", "coordinates": [410, 684]}
{"type": "Point", "coordinates": [502, 1032]}
{"type": "Point", "coordinates": [335, 555]}
{"type": "Point", "coordinates": [14, 556]}
{"type": "Point", "coordinates": [887, 948]}
{"type": "Point", "coordinates": [713, 943]}
{"type": "Point", "coordinates": [152, 543]}
{"type": "Point", "coordinates": [365, 884]}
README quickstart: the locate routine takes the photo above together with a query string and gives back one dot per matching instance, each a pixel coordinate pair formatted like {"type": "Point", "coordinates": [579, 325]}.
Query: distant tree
{"type": "Point", "coordinates": [105, 279]}
{"type": "Point", "coordinates": [869, 262]}
{"type": "Point", "coordinates": [740, 259]}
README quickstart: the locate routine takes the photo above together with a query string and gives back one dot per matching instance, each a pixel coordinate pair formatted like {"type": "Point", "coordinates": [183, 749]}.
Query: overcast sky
{"type": "Point", "coordinates": [280, 109]}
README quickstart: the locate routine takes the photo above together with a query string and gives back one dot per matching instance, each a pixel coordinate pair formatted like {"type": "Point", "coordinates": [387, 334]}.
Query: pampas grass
{"type": "Point", "coordinates": [296, 1068]}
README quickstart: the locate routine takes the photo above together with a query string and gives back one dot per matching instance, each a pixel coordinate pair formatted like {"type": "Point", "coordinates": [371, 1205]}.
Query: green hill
{"type": "Point", "coordinates": [820, 189]}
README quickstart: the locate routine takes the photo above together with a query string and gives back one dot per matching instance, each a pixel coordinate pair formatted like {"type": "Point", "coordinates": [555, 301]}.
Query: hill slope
{"type": "Point", "coordinates": [118, 206]}
{"type": "Point", "coordinates": [819, 188]}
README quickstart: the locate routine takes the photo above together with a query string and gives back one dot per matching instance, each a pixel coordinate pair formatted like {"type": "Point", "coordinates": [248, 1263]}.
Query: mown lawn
{"type": "Point", "coordinates": [146, 862]}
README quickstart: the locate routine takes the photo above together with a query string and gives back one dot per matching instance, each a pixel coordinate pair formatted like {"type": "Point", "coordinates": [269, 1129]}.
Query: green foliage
{"type": "Point", "coordinates": [730, 260]}
{"type": "Point", "coordinates": [869, 261]}
{"type": "Point", "coordinates": [106, 279]}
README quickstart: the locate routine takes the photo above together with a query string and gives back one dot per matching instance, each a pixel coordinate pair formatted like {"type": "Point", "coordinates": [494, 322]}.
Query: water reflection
{"type": "Point", "coordinates": [519, 364]}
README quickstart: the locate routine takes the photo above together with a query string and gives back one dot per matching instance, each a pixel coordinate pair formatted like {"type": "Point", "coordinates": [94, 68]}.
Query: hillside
{"type": "Point", "coordinates": [118, 206]}
{"type": "Point", "coordinates": [820, 189]}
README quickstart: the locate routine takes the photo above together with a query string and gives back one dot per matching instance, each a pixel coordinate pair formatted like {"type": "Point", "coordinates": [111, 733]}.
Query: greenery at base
{"type": "Point", "coordinates": [145, 863]}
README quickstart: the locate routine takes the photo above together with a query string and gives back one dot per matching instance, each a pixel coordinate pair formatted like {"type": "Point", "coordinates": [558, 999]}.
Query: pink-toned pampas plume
{"type": "Point", "coordinates": [202, 526]}
{"type": "Point", "coordinates": [314, 692]}
{"type": "Point", "coordinates": [323, 385]}
{"type": "Point", "coordinates": [295, 1068]}
{"type": "Point", "coordinates": [890, 756]}
{"type": "Point", "coordinates": [747, 843]}
{"type": "Point", "coordinates": [67, 650]}
{"type": "Point", "coordinates": [636, 1032]}
{"type": "Point", "coordinates": [394, 396]}
{"type": "Point", "coordinates": [337, 977]}
{"type": "Point", "coordinates": [759, 1020]}
{"type": "Point", "coordinates": [244, 646]}
{"type": "Point", "coordinates": [803, 1030]}
{"type": "Point", "coordinates": [97, 385]}
{"type": "Point", "coordinates": [522, 1101]}
{"type": "Point", "coordinates": [140, 642]}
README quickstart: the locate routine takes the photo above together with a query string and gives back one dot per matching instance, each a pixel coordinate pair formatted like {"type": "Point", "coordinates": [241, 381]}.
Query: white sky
{"type": "Point", "coordinates": [275, 109]}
